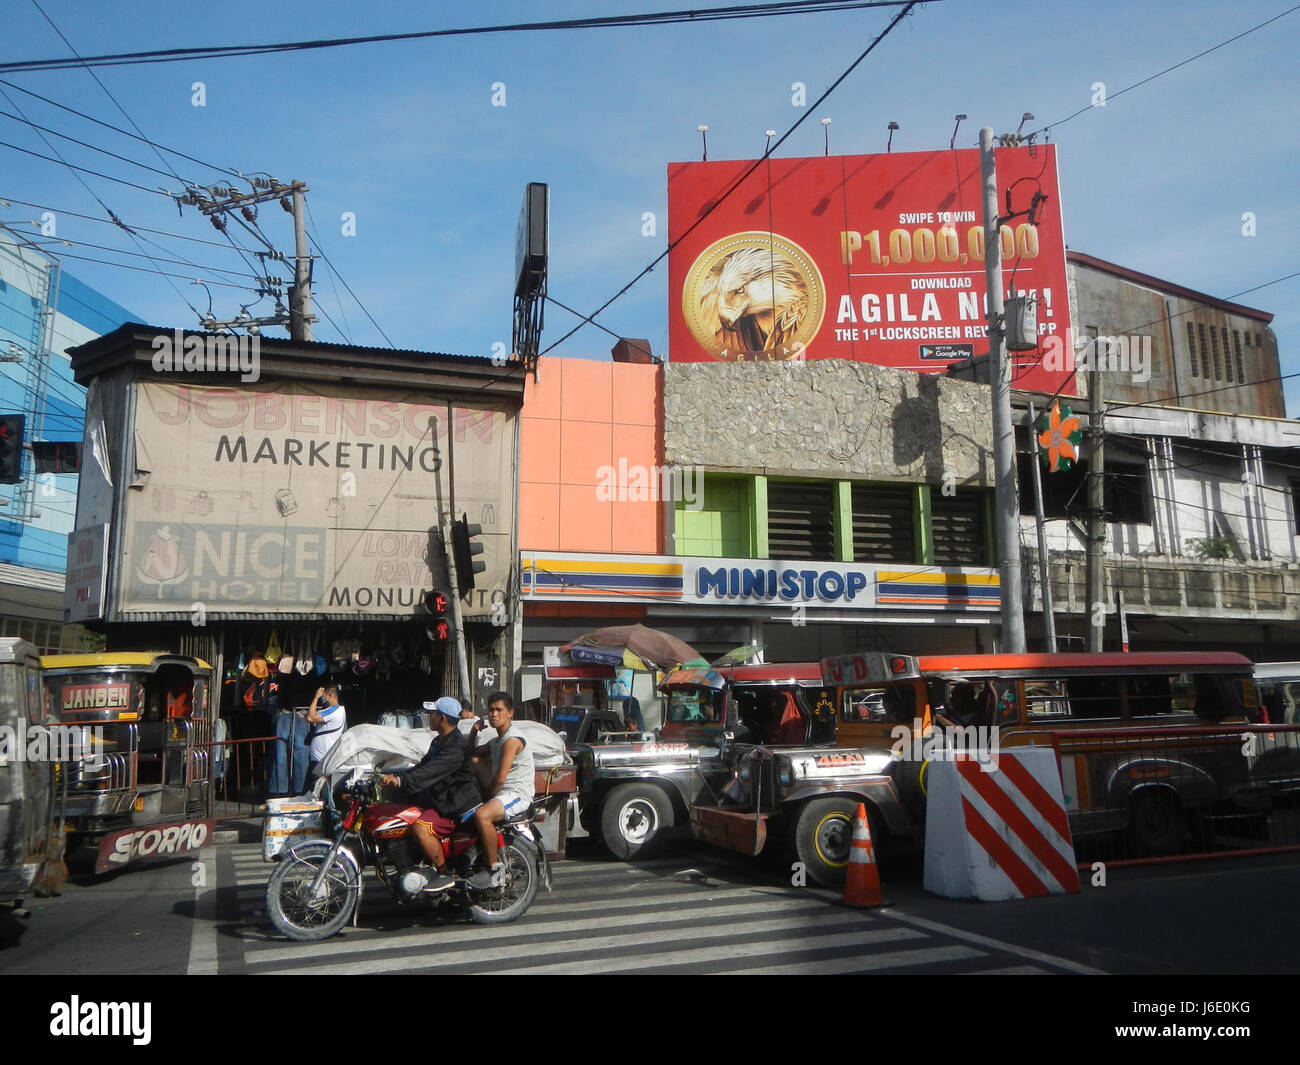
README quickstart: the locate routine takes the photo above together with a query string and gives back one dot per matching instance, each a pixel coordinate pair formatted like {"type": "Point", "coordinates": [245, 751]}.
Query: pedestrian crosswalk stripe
{"type": "Point", "coordinates": [734, 951]}
{"type": "Point", "coordinates": [433, 938]}
{"type": "Point", "coordinates": [861, 962]}
{"type": "Point", "coordinates": [584, 948]}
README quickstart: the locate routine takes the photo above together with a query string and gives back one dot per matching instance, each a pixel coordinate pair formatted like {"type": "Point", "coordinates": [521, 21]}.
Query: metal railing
{"type": "Point", "coordinates": [1165, 794]}
{"type": "Point", "coordinates": [239, 774]}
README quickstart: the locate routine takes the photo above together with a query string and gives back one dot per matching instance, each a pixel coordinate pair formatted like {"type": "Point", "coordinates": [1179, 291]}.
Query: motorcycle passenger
{"type": "Point", "coordinates": [443, 782]}
{"type": "Point", "coordinates": [505, 771]}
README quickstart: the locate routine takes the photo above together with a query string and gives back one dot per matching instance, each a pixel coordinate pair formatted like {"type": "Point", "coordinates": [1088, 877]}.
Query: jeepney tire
{"type": "Point", "coordinates": [822, 838]}
{"type": "Point", "coordinates": [1157, 824]}
{"type": "Point", "coordinates": [635, 820]}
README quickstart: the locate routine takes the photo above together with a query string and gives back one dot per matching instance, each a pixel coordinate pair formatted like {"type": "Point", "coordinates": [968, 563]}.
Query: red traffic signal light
{"type": "Point", "coordinates": [11, 448]}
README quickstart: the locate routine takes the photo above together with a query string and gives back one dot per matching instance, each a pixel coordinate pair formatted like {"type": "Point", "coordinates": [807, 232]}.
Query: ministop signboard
{"type": "Point", "coordinates": [873, 258]}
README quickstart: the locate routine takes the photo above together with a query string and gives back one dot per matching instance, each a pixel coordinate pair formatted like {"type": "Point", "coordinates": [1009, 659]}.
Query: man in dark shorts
{"type": "Point", "coordinates": [443, 783]}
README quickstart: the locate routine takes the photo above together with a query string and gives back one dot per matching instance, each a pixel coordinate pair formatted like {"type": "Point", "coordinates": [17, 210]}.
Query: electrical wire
{"type": "Point", "coordinates": [86, 170]}
{"type": "Point", "coordinates": [658, 18]}
{"type": "Point", "coordinates": [123, 251]}
{"type": "Point", "coordinates": [118, 129]}
{"type": "Point", "coordinates": [311, 218]}
{"type": "Point", "coordinates": [107, 222]}
{"type": "Point", "coordinates": [344, 283]}
{"type": "Point", "coordinates": [703, 215]}
{"type": "Point", "coordinates": [1114, 95]}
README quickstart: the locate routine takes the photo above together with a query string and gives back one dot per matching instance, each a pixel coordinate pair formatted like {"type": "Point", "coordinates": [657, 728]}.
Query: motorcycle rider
{"type": "Point", "coordinates": [443, 782]}
{"type": "Point", "coordinates": [505, 769]}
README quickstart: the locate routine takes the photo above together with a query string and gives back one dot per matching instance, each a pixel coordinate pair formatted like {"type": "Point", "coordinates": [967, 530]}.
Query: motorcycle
{"type": "Point", "coordinates": [316, 888]}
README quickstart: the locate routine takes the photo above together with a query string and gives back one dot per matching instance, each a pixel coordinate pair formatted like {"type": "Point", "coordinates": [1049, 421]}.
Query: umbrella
{"type": "Point", "coordinates": [635, 646]}
{"type": "Point", "coordinates": [738, 655]}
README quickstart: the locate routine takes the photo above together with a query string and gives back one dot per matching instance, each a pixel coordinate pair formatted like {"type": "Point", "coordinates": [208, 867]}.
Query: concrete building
{"type": "Point", "coordinates": [43, 312]}
{"type": "Point", "coordinates": [816, 507]}
{"type": "Point", "coordinates": [1202, 472]}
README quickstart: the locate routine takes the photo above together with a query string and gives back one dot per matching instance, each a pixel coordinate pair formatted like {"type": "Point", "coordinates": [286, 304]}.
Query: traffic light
{"type": "Point", "coordinates": [436, 604]}
{"type": "Point", "coordinates": [463, 551]}
{"type": "Point", "coordinates": [11, 448]}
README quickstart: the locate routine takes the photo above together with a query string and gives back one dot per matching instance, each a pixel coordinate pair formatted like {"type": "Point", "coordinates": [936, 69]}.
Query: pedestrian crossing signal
{"type": "Point", "coordinates": [436, 604]}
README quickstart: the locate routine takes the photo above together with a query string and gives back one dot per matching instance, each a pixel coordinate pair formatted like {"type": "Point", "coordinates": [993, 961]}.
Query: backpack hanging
{"type": "Point", "coordinates": [273, 651]}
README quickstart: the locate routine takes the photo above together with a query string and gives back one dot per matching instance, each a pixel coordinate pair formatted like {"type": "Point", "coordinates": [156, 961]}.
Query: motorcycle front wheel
{"type": "Point", "coordinates": [299, 913]}
{"type": "Point", "coordinates": [509, 903]}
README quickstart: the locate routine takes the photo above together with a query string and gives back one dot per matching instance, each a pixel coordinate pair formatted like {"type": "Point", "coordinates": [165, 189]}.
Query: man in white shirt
{"type": "Point", "coordinates": [328, 723]}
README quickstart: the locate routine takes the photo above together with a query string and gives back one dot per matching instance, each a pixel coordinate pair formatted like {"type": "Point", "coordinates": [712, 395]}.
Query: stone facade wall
{"type": "Point", "coordinates": [828, 418]}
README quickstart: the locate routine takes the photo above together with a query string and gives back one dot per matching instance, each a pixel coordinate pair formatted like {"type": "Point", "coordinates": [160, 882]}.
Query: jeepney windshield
{"type": "Point", "coordinates": [95, 695]}
{"type": "Point", "coordinates": [694, 706]}
{"type": "Point", "coordinates": [20, 694]}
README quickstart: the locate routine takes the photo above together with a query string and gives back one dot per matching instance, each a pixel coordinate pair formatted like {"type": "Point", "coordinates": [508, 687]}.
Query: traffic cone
{"type": "Point", "coordinates": [862, 884]}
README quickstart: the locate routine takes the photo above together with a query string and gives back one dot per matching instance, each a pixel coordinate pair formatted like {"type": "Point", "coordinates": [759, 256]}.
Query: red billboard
{"type": "Point", "coordinates": [875, 258]}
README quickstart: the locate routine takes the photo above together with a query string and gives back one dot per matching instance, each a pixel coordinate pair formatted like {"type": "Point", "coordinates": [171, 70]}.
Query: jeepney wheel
{"type": "Point", "coordinates": [1156, 825]}
{"type": "Point", "coordinates": [635, 819]}
{"type": "Point", "coordinates": [822, 839]}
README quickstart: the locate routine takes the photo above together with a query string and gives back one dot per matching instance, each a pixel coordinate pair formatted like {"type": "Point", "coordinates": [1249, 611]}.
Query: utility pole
{"type": "Point", "coordinates": [1095, 572]}
{"type": "Point", "coordinates": [1004, 439]}
{"type": "Point", "coordinates": [300, 318]}
{"type": "Point", "coordinates": [1044, 563]}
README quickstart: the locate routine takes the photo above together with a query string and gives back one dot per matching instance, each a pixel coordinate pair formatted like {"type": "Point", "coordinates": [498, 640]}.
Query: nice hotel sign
{"type": "Point", "coordinates": [285, 498]}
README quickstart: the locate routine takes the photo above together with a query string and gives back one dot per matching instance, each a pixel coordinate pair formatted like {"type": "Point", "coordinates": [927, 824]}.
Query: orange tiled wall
{"type": "Point", "coordinates": [581, 415]}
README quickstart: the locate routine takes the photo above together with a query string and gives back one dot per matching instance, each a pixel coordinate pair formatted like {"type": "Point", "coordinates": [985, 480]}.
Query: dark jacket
{"type": "Point", "coordinates": [444, 778]}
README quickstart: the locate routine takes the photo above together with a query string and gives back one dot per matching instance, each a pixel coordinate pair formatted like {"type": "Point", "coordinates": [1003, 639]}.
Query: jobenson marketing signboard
{"type": "Point", "coordinates": [280, 498]}
{"type": "Point", "coordinates": [876, 258]}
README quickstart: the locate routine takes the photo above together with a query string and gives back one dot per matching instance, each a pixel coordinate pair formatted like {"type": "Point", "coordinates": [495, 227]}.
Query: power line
{"type": "Point", "coordinates": [1131, 330]}
{"type": "Point", "coordinates": [658, 18]}
{"type": "Point", "coordinates": [119, 129]}
{"type": "Point", "coordinates": [741, 179]}
{"type": "Point", "coordinates": [343, 282]}
{"type": "Point", "coordinates": [162, 273]}
{"type": "Point", "coordinates": [142, 255]}
{"type": "Point", "coordinates": [85, 144]}
{"type": "Point", "coordinates": [119, 224]}
{"type": "Point", "coordinates": [86, 170]}
{"type": "Point", "coordinates": [1152, 77]}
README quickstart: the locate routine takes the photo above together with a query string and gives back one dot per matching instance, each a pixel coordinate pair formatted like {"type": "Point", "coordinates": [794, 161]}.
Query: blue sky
{"type": "Point", "coordinates": [405, 136]}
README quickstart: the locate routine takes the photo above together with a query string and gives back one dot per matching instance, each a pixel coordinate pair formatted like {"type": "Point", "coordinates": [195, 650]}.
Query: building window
{"type": "Point", "coordinates": [958, 525]}
{"type": "Point", "coordinates": [1295, 506]}
{"type": "Point", "coordinates": [883, 529]}
{"type": "Point", "coordinates": [1214, 354]}
{"type": "Point", "coordinates": [801, 520]}
{"type": "Point", "coordinates": [1126, 492]}
{"type": "Point", "coordinates": [1236, 350]}
{"type": "Point", "coordinates": [1191, 347]}
{"type": "Point", "coordinates": [719, 525]}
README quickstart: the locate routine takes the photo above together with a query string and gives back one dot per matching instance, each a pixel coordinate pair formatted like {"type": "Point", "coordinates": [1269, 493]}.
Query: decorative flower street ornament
{"type": "Point", "coordinates": [1059, 438]}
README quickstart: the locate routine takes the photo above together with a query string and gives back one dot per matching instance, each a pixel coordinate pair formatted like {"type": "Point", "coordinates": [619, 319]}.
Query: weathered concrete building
{"type": "Point", "coordinates": [1201, 472]}
{"type": "Point", "coordinates": [826, 505]}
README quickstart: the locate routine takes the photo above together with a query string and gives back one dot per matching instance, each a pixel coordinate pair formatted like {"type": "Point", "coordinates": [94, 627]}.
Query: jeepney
{"type": "Point", "coordinates": [141, 789]}
{"type": "Point", "coordinates": [1150, 745]}
{"type": "Point", "coordinates": [746, 760]}
{"type": "Point", "coordinates": [29, 834]}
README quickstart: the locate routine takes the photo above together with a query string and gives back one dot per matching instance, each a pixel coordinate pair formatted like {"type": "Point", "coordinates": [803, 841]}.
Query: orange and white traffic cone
{"type": "Point", "coordinates": [862, 884]}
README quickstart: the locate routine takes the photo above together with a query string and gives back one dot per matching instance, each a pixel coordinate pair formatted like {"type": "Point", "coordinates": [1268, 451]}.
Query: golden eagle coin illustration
{"type": "Point", "coordinates": [754, 296]}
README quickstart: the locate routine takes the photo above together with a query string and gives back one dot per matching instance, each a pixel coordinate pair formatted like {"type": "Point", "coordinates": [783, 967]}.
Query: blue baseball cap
{"type": "Point", "coordinates": [447, 706]}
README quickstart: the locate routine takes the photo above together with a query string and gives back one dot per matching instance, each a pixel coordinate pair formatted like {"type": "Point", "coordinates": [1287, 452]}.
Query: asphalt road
{"type": "Point", "coordinates": [694, 910]}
